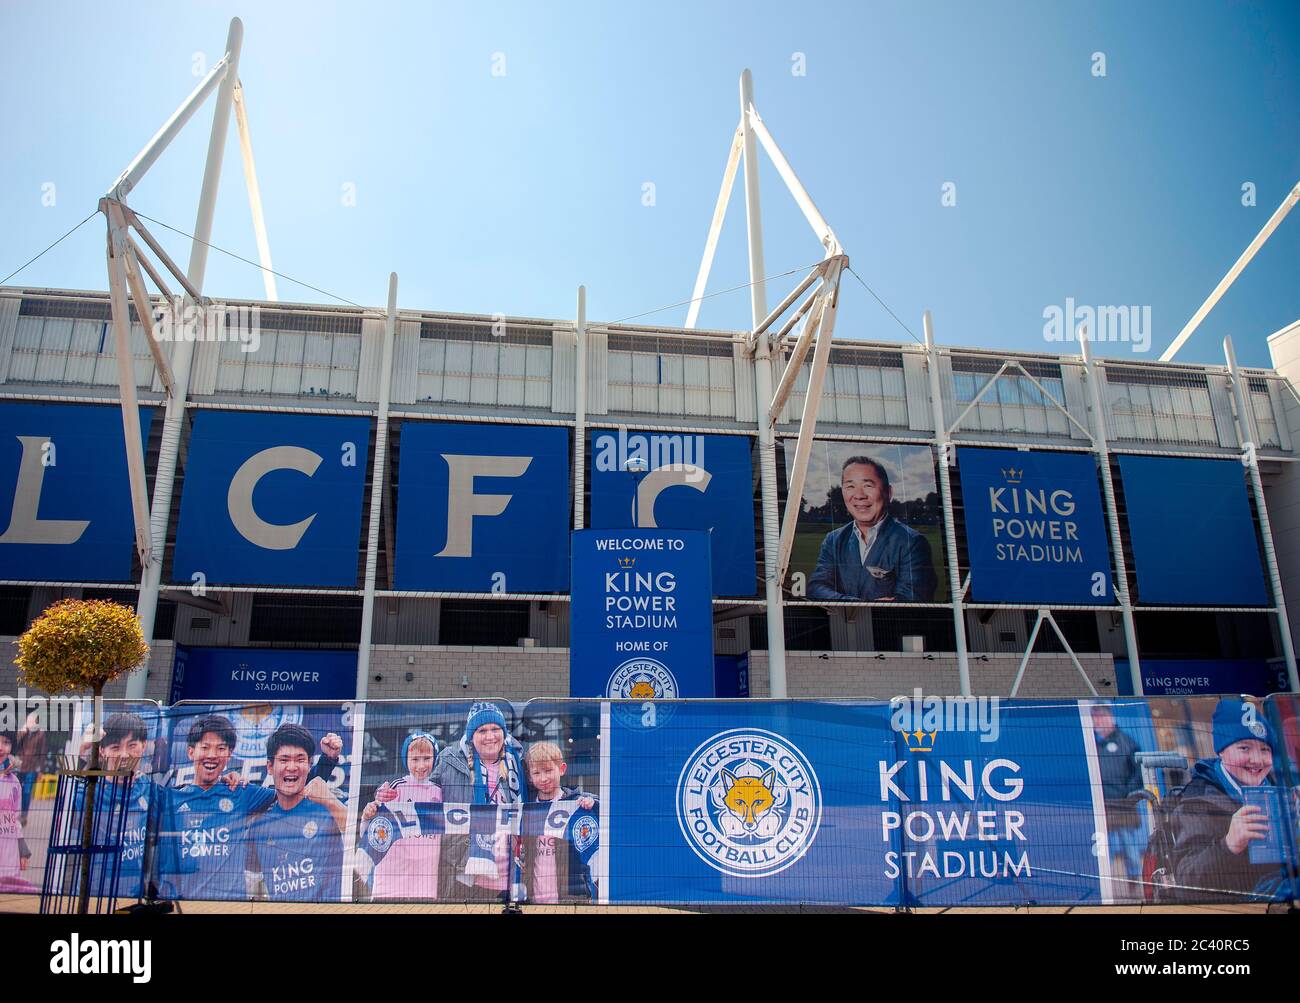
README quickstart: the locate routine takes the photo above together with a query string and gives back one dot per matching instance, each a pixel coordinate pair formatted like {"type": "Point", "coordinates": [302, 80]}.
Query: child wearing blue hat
{"type": "Point", "coordinates": [410, 869]}
{"type": "Point", "coordinates": [1214, 824]}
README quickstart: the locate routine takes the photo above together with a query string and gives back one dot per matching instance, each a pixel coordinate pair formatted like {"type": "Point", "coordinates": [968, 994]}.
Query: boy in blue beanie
{"type": "Point", "coordinates": [1213, 822]}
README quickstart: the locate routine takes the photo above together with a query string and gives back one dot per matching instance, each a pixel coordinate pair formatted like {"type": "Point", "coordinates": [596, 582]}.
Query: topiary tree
{"type": "Point", "coordinates": [78, 645]}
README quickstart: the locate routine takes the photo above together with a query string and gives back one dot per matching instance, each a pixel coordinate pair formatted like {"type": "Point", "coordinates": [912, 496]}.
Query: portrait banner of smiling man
{"type": "Point", "coordinates": [870, 525]}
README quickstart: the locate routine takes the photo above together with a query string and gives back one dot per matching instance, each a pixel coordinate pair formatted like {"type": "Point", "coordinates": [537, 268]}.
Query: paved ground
{"type": "Point", "coordinates": [30, 903]}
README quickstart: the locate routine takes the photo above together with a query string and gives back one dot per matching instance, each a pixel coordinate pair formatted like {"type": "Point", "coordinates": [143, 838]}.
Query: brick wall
{"type": "Point", "coordinates": [441, 672]}
{"type": "Point", "coordinates": [832, 674]}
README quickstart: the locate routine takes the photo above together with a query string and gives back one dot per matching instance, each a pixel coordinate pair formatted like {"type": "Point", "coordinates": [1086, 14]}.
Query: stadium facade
{"type": "Point", "coordinates": [444, 635]}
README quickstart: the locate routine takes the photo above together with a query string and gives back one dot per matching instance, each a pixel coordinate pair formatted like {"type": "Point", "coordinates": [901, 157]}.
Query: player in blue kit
{"type": "Point", "coordinates": [122, 746]}
{"type": "Point", "coordinates": [202, 848]}
{"type": "Point", "coordinates": [293, 841]}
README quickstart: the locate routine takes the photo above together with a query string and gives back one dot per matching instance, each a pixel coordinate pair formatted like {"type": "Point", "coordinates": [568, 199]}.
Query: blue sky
{"type": "Point", "coordinates": [491, 193]}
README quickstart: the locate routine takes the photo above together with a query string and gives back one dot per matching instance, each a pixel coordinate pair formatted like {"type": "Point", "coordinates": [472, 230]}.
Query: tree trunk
{"type": "Point", "coordinates": [88, 806]}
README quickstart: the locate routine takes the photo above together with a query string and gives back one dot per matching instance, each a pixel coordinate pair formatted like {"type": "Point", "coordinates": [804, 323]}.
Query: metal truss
{"type": "Point", "coordinates": [817, 311]}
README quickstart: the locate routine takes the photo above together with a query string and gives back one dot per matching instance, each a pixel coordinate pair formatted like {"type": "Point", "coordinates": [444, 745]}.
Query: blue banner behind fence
{"type": "Point", "coordinates": [483, 508]}
{"type": "Point", "coordinates": [65, 499]}
{"type": "Point", "coordinates": [272, 499]}
{"type": "Point", "coordinates": [1034, 527]}
{"type": "Point", "coordinates": [1202, 505]}
{"type": "Point", "coordinates": [920, 802]}
{"type": "Point", "coordinates": [263, 674]}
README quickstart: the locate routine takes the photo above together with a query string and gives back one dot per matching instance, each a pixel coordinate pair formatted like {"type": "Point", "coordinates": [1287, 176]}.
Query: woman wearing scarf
{"type": "Point", "coordinates": [484, 768]}
{"type": "Point", "coordinates": [1215, 824]}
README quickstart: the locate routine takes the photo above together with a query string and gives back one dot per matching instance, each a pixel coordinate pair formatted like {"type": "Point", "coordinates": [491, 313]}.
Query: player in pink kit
{"type": "Point", "coordinates": [410, 869]}
{"type": "Point", "coordinates": [13, 850]}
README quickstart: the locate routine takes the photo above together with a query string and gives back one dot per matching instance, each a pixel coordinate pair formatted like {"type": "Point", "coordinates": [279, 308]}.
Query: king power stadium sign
{"type": "Point", "coordinates": [642, 614]}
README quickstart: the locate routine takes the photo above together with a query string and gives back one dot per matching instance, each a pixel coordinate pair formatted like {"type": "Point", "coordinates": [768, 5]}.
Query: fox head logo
{"type": "Point", "coordinates": [642, 689]}
{"type": "Point", "coordinates": [748, 802]}
{"type": "Point", "coordinates": [748, 799]}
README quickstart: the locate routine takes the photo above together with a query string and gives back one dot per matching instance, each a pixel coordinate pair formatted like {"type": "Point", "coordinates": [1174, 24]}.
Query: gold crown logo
{"type": "Point", "coordinates": [627, 562]}
{"type": "Point", "coordinates": [919, 741]}
{"type": "Point", "coordinates": [1013, 476]}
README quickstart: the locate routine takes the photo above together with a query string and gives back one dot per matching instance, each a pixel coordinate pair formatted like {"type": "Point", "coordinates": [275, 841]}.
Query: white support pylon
{"type": "Point", "coordinates": [183, 353]}
{"type": "Point", "coordinates": [254, 193]}
{"type": "Point", "coordinates": [1237, 268]}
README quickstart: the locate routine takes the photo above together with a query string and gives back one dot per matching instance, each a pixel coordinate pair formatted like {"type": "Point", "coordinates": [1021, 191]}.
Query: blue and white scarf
{"type": "Point", "coordinates": [483, 833]}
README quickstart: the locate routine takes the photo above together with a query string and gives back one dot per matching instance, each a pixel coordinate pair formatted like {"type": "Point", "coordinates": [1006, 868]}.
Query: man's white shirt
{"type": "Point", "coordinates": [865, 541]}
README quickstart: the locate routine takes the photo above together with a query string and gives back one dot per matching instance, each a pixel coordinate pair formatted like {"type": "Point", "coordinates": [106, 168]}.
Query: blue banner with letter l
{"type": "Point", "coordinates": [482, 508]}
{"type": "Point", "coordinates": [65, 497]}
{"type": "Point", "coordinates": [1193, 536]}
{"type": "Point", "coordinates": [641, 614]}
{"type": "Point", "coordinates": [272, 499]}
{"type": "Point", "coordinates": [692, 482]}
{"type": "Point", "coordinates": [1034, 527]}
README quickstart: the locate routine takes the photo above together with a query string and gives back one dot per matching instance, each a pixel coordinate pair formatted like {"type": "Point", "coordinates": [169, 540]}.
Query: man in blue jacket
{"type": "Point", "coordinates": [875, 557]}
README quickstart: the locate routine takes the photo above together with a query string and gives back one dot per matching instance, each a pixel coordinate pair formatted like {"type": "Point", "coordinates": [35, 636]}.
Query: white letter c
{"type": "Point", "coordinates": [239, 499]}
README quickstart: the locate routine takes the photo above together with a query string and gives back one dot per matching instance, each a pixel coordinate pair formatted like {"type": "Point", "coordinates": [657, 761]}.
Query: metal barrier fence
{"type": "Point", "coordinates": [922, 802]}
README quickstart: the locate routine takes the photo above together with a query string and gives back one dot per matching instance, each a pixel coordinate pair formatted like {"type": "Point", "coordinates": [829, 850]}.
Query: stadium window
{"type": "Point", "coordinates": [1177, 635]}
{"type": "Point", "coordinates": [1079, 628]}
{"type": "Point", "coordinates": [14, 601]}
{"type": "Point", "coordinates": [292, 621]}
{"type": "Point", "coordinates": [487, 623]}
{"type": "Point", "coordinates": [805, 630]}
{"type": "Point", "coordinates": [1248, 635]}
{"type": "Point", "coordinates": [890, 626]}
{"type": "Point", "coordinates": [164, 622]}
{"type": "Point", "coordinates": [1201, 635]}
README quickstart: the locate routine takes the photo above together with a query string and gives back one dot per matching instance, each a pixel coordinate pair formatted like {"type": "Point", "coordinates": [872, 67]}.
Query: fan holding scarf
{"type": "Point", "coordinates": [484, 768]}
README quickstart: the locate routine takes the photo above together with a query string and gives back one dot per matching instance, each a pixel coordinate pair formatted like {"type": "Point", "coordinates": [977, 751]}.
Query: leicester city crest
{"type": "Point", "coordinates": [380, 833]}
{"type": "Point", "coordinates": [748, 802]}
{"type": "Point", "coordinates": [585, 829]}
{"type": "Point", "coordinates": [642, 679]}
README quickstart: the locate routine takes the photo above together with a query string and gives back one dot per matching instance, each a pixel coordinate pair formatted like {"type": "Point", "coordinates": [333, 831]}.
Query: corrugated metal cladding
{"type": "Point", "coordinates": [313, 356]}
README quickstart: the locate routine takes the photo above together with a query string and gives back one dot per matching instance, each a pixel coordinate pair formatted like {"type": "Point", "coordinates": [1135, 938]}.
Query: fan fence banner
{"type": "Point", "coordinates": [921, 801]}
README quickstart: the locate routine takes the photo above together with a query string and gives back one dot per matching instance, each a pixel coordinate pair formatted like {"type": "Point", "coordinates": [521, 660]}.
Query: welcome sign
{"type": "Point", "coordinates": [641, 619]}
{"type": "Point", "coordinates": [1034, 527]}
